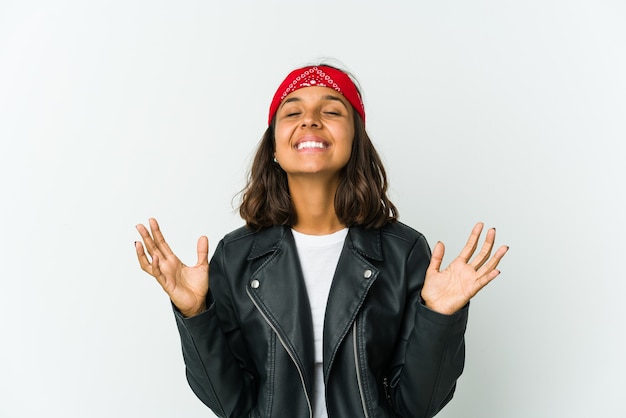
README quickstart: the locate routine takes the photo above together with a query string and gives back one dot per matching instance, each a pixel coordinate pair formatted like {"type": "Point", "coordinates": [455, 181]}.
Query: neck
{"type": "Point", "coordinates": [314, 203]}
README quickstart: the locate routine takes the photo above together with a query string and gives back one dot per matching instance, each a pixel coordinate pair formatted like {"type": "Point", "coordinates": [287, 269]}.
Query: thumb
{"type": "Point", "coordinates": [437, 257]}
{"type": "Point", "coordinates": [203, 250]}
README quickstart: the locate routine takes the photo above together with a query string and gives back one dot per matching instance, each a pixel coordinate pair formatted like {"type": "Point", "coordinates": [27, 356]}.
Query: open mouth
{"type": "Point", "coordinates": [311, 145]}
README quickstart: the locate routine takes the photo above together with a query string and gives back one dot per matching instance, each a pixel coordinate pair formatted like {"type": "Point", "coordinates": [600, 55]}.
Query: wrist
{"type": "Point", "coordinates": [438, 307]}
{"type": "Point", "coordinates": [188, 313]}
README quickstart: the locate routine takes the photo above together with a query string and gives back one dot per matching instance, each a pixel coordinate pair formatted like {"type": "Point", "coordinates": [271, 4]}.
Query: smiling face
{"type": "Point", "coordinates": [314, 131]}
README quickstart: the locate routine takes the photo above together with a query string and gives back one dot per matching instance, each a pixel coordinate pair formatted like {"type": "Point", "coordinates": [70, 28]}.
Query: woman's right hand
{"type": "Point", "coordinates": [186, 286]}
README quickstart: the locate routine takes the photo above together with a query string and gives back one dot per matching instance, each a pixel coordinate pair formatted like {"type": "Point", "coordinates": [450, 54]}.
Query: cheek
{"type": "Point", "coordinates": [280, 137]}
{"type": "Point", "coordinates": [347, 137]}
{"type": "Point", "coordinates": [349, 144]}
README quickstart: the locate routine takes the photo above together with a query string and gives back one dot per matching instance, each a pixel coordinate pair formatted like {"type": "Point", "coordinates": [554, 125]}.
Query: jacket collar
{"type": "Point", "coordinates": [267, 241]}
{"type": "Point", "coordinates": [367, 242]}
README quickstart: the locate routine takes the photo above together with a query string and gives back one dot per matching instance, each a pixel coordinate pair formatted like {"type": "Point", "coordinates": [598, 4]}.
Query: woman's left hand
{"type": "Point", "coordinates": [447, 291]}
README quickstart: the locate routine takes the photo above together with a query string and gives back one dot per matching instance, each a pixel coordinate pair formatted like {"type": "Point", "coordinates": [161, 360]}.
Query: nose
{"type": "Point", "coordinates": [311, 119]}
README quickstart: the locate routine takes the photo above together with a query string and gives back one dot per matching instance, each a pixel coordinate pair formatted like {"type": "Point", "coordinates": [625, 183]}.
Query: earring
{"type": "Point", "coordinates": [275, 160]}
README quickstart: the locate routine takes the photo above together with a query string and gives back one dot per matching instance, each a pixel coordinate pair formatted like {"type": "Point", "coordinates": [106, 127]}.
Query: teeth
{"type": "Point", "coordinates": [310, 144]}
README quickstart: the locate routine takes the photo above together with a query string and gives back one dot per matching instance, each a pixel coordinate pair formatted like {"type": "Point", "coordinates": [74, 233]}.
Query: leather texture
{"type": "Point", "coordinates": [385, 353]}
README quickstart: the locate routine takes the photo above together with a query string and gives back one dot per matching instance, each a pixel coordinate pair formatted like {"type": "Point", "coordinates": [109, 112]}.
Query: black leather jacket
{"type": "Point", "coordinates": [385, 354]}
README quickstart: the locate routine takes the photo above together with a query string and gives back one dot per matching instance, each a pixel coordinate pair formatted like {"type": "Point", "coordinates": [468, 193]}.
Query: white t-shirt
{"type": "Point", "coordinates": [319, 255]}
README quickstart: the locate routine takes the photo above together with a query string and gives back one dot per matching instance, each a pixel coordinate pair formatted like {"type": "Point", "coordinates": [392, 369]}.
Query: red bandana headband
{"type": "Point", "coordinates": [321, 76]}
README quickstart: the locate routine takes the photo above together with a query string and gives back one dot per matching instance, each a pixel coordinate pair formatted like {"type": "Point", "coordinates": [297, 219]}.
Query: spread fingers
{"type": "Point", "coordinates": [485, 251]}
{"type": "Point", "coordinates": [159, 240]}
{"type": "Point", "coordinates": [472, 242]}
{"type": "Point", "coordinates": [143, 259]}
{"type": "Point", "coordinates": [490, 266]}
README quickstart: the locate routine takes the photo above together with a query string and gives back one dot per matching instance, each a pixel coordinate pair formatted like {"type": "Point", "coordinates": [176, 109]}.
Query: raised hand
{"type": "Point", "coordinates": [186, 286]}
{"type": "Point", "coordinates": [447, 291]}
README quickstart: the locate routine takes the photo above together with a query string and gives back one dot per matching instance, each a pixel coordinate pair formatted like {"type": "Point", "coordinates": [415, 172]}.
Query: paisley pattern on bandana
{"type": "Point", "coordinates": [309, 78]}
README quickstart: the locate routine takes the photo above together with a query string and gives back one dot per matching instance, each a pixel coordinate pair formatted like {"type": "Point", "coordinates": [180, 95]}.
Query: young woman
{"type": "Point", "coordinates": [323, 305]}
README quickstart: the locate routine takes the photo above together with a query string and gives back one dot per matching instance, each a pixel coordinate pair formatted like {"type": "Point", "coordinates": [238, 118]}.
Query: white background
{"type": "Point", "coordinates": [509, 112]}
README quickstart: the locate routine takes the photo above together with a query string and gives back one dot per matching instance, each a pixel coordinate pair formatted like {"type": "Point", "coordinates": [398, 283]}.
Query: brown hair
{"type": "Point", "coordinates": [361, 197]}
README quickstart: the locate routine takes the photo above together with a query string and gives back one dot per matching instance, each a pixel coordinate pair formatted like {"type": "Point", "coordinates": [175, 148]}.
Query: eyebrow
{"type": "Point", "coordinates": [325, 97]}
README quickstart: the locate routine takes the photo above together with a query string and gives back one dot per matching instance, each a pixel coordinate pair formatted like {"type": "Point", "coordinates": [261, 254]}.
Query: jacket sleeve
{"type": "Point", "coordinates": [213, 370]}
{"type": "Point", "coordinates": [431, 353]}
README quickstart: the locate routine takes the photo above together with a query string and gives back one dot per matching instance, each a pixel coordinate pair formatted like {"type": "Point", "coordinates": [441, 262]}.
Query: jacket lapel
{"type": "Point", "coordinates": [277, 289]}
{"type": "Point", "coordinates": [353, 278]}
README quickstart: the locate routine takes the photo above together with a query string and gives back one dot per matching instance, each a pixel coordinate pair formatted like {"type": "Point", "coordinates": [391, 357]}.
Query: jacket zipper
{"type": "Point", "coordinates": [282, 342]}
{"type": "Point", "coordinates": [386, 386]}
{"type": "Point", "coordinates": [358, 370]}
